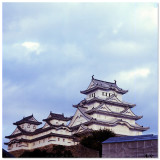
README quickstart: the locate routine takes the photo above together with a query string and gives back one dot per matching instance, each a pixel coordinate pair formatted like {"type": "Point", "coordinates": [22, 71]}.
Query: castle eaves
{"type": "Point", "coordinates": [103, 85]}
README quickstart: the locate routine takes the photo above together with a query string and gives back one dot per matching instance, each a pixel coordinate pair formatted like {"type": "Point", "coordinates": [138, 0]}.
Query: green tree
{"type": "Point", "coordinates": [95, 138]}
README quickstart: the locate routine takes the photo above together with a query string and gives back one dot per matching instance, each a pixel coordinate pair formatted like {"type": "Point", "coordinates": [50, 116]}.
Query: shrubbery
{"type": "Point", "coordinates": [94, 139]}
{"type": "Point", "coordinates": [58, 151]}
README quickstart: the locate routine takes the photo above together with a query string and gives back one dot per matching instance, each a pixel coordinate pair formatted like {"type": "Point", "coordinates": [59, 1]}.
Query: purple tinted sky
{"type": "Point", "coordinates": [51, 50]}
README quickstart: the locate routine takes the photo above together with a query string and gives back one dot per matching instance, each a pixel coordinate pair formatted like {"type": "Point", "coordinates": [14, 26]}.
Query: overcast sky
{"type": "Point", "coordinates": [51, 50]}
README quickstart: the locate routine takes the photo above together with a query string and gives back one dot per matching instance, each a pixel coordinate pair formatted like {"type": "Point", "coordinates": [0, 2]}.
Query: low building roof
{"type": "Point", "coordinates": [131, 138]}
{"type": "Point", "coordinates": [29, 119]}
{"type": "Point", "coordinates": [57, 117]}
{"type": "Point", "coordinates": [37, 131]}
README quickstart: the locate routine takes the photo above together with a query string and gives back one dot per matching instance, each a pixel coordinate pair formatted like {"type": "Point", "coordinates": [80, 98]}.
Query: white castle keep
{"type": "Point", "coordinates": [103, 108]}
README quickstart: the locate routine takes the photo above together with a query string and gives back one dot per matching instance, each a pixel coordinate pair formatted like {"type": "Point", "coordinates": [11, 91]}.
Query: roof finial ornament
{"type": "Point", "coordinates": [92, 76]}
{"type": "Point", "coordinates": [115, 81]}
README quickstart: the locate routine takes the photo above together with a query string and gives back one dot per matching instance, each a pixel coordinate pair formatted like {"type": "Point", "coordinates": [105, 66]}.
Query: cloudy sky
{"type": "Point", "coordinates": [51, 50]}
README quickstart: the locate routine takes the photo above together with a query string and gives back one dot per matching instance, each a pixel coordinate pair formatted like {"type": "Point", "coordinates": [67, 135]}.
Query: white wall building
{"type": "Point", "coordinates": [103, 108]}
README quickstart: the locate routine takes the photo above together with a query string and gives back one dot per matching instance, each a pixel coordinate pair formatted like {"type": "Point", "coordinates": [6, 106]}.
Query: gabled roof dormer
{"type": "Point", "coordinates": [55, 116]}
{"type": "Point", "coordinates": [29, 119]}
{"type": "Point", "coordinates": [16, 131]}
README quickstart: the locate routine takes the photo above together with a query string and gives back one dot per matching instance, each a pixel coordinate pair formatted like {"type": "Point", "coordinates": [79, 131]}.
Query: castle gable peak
{"type": "Point", "coordinates": [102, 107]}
{"type": "Point", "coordinates": [16, 131]}
{"type": "Point", "coordinates": [128, 111]}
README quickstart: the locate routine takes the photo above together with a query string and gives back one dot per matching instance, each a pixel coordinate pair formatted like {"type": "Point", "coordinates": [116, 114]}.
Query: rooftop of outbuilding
{"type": "Point", "coordinates": [131, 138]}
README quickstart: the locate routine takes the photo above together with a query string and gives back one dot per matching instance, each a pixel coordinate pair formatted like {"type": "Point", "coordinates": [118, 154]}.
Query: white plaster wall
{"type": "Point", "coordinates": [102, 117]}
{"type": "Point", "coordinates": [58, 122]}
{"type": "Point", "coordinates": [124, 130]}
{"type": "Point", "coordinates": [90, 106]}
{"type": "Point", "coordinates": [77, 119]}
{"type": "Point", "coordinates": [43, 142]}
{"type": "Point", "coordinates": [114, 108]}
{"type": "Point", "coordinates": [98, 93]}
{"type": "Point", "coordinates": [28, 127]}
{"type": "Point", "coordinates": [118, 129]}
{"type": "Point", "coordinates": [119, 96]}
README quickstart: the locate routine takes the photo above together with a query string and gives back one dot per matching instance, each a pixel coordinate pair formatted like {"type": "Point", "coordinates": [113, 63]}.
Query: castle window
{"type": "Point", "coordinates": [109, 94]}
{"type": "Point", "coordinates": [89, 95]}
{"type": "Point", "coordinates": [39, 142]}
{"type": "Point", "coordinates": [102, 93]}
{"type": "Point", "coordinates": [106, 94]}
{"type": "Point", "coordinates": [58, 139]}
{"type": "Point", "coordinates": [22, 125]}
{"type": "Point", "coordinates": [16, 144]}
{"type": "Point", "coordinates": [28, 126]}
{"type": "Point", "coordinates": [33, 143]}
{"type": "Point", "coordinates": [56, 122]}
{"type": "Point", "coordinates": [34, 127]}
{"type": "Point", "coordinates": [43, 140]}
{"type": "Point", "coordinates": [63, 140]}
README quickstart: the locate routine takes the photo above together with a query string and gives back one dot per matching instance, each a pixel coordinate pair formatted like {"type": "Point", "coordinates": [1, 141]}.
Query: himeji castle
{"type": "Point", "coordinates": [103, 108]}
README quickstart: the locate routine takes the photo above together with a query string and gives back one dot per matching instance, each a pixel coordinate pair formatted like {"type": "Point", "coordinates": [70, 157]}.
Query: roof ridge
{"type": "Point", "coordinates": [104, 81]}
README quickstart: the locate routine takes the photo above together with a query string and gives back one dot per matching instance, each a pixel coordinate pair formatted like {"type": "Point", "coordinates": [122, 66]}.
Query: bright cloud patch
{"type": "Point", "coordinates": [147, 17]}
{"type": "Point", "coordinates": [122, 47]}
{"type": "Point", "coordinates": [32, 47]}
{"type": "Point", "coordinates": [138, 73]}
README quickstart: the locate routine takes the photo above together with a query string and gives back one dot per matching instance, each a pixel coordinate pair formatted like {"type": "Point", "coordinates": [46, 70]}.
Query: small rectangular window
{"type": "Point", "coordinates": [22, 125]}
{"type": "Point", "coordinates": [58, 139]}
{"type": "Point", "coordinates": [63, 140]}
{"type": "Point", "coordinates": [28, 126]}
{"type": "Point", "coordinates": [106, 94]}
{"type": "Point", "coordinates": [34, 127]}
{"type": "Point", "coordinates": [102, 93]}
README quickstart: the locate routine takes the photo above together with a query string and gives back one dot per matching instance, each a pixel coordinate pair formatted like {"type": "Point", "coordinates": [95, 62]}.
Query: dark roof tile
{"type": "Point", "coordinates": [131, 138]}
{"type": "Point", "coordinates": [27, 120]}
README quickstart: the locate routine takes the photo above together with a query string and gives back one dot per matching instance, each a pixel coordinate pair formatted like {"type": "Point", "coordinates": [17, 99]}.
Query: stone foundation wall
{"type": "Point", "coordinates": [139, 149]}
